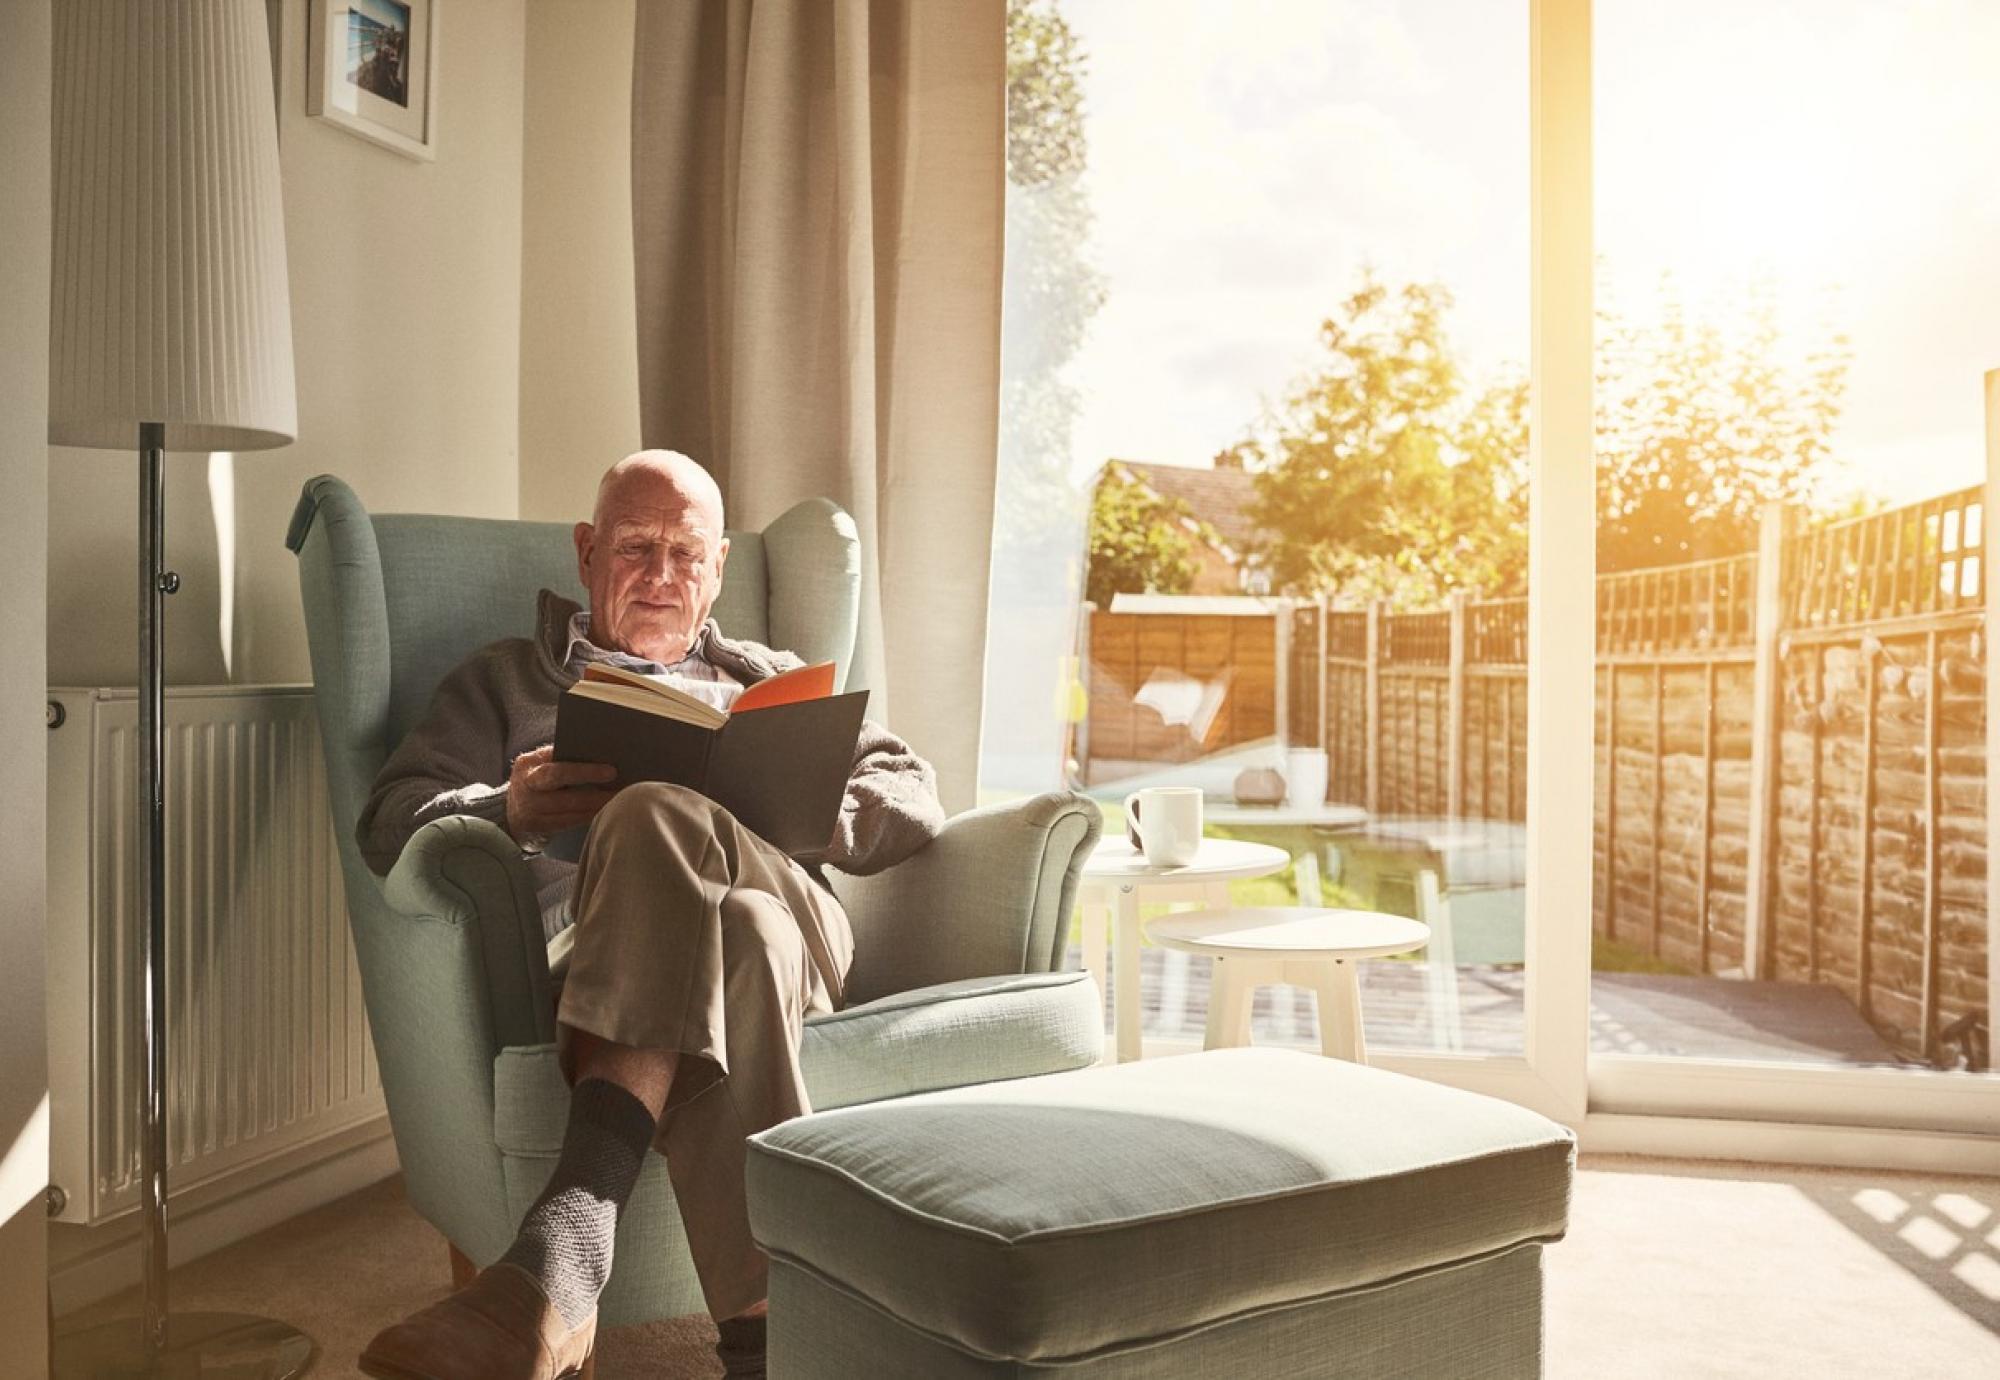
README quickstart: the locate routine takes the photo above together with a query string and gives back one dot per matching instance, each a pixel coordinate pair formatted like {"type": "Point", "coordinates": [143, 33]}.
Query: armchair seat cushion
{"type": "Point", "coordinates": [976, 1030]}
{"type": "Point", "coordinates": [973, 1031]}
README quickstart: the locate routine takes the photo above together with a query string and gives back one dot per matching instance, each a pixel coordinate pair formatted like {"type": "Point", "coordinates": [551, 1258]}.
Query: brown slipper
{"type": "Point", "coordinates": [499, 1327]}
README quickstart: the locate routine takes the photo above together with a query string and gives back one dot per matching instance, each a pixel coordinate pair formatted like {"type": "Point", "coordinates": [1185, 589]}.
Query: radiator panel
{"type": "Point", "coordinates": [268, 1047]}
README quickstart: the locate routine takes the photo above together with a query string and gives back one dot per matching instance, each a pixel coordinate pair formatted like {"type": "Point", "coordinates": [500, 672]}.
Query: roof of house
{"type": "Point", "coordinates": [1219, 497]}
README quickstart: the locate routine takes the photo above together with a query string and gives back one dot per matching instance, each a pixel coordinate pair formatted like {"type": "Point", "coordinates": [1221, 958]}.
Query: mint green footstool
{"type": "Point", "coordinates": [1244, 1212]}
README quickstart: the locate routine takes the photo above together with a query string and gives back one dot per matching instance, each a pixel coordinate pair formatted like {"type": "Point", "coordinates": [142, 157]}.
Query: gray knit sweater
{"type": "Point", "coordinates": [501, 702]}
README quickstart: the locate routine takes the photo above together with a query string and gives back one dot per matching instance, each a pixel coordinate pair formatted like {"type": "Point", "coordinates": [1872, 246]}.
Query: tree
{"type": "Point", "coordinates": [1045, 139]}
{"type": "Point", "coordinates": [1140, 543]}
{"type": "Point", "coordinates": [1041, 512]}
{"type": "Point", "coordinates": [1699, 427]}
{"type": "Point", "coordinates": [1383, 474]}
{"type": "Point", "coordinates": [1051, 290]}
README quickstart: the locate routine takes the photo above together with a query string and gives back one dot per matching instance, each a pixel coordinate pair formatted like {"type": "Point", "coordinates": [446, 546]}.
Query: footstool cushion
{"type": "Point", "coordinates": [1114, 1211]}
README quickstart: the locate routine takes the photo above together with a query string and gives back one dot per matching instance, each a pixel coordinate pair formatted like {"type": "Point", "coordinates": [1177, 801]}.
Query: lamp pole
{"type": "Point", "coordinates": [154, 585]}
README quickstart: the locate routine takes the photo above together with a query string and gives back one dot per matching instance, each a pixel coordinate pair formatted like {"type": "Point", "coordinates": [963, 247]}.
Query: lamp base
{"type": "Point", "coordinates": [212, 1346]}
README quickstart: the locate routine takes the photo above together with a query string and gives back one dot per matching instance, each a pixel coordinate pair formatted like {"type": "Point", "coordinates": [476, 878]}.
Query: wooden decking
{"type": "Point", "coordinates": [1406, 1006]}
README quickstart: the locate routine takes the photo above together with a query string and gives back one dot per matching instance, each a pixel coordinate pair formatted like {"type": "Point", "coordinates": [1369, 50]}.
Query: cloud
{"type": "Point", "coordinates": [1246, 162]}
{"type": "Point", "coordinates": [1247, 159]}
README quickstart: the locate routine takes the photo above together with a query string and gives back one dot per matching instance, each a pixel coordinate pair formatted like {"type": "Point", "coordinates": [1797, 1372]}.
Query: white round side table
{"type": "Point", "coordinates": [1114, 876]}
{"type": "Point", "coordinates": [1306, 947]}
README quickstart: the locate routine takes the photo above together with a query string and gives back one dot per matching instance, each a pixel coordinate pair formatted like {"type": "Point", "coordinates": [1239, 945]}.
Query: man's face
{"type": "Point", "coordinates": [652, 562]}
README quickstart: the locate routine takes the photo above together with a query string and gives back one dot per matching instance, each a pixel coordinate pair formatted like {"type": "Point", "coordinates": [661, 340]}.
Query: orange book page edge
{"type": "Point", "coordinates": [806, 683]}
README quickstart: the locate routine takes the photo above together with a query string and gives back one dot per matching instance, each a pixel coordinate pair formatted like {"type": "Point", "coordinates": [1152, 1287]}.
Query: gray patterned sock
{"type": "Point", "coordinates": [565, 1240]}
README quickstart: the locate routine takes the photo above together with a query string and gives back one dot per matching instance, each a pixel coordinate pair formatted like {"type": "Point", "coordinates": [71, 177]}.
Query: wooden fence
{"type": "Point", "coordinates": [1173, 687]}
{"type": "Point", "coordinates": [1790, 746]}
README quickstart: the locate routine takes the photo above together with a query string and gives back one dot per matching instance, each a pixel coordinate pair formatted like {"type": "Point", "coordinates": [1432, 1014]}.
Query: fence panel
{"type": "Point", "coordinates": [1304, 686]}
{"type": "Point", "coordinates": [1172, 687]}
{"type": "Point", "coordinates": [1414, 736]}
{"type": "Point", "coordinates": [1701, 606]}
{"type": "Point", "coordinates": [1920, 559]}
{"type": "Point", "coordinates": [1496, 710]}
{"type": "Point", "coordinates": [1345, 686]}
{"type": "Point", "coordinates": [1878, 857]}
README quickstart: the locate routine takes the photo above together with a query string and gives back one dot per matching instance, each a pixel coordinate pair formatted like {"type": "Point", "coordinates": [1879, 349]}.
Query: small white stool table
{"type": "Point", "coordinates": [1114, 876]}
{"type": "Point", "coordinates": [1305, 947]}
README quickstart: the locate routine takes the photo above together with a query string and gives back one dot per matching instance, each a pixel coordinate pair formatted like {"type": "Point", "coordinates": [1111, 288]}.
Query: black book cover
{"type": "Point", "coordinates": [781, 770]}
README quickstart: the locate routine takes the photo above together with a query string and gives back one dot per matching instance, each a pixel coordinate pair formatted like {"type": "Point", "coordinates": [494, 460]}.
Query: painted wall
{"type": "Point", "coordinates": [579, 334]}
{"type": "Point", "coordinates": [24, 397]}
{"type": "Point", "coordinates": [406, 311]}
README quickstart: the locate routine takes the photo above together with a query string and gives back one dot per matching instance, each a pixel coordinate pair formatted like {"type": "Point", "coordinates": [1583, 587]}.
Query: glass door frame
{"type": "Point", "coordinates": [1552, 1074]}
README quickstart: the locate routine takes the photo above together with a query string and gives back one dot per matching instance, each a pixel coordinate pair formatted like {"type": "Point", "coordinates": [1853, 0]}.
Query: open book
{"type": "Point", "coordinates": [778, 759]}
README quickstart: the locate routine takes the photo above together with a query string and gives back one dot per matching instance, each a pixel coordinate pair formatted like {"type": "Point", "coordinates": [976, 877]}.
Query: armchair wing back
{"type": "Point", "coordinates": [372, 585]}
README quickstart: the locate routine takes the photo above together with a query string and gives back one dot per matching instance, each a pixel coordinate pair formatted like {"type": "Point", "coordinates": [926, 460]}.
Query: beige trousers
{"type": "Point", "coordinates": [695, 935]}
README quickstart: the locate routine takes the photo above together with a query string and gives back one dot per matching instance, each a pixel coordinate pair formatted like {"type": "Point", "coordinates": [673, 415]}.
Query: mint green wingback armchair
{"type": "Point", "coordinates": [957, 977]}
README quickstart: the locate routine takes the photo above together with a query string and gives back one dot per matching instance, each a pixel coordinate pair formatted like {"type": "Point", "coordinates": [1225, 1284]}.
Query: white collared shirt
{"type": "Point", "coordinates": [693, 674]}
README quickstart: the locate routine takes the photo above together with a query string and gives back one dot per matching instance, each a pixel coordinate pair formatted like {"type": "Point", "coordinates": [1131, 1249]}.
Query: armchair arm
{"type": "Point", "coordinates": [991, 894]}
{"type": "Point", "coordinates": [467, 872]}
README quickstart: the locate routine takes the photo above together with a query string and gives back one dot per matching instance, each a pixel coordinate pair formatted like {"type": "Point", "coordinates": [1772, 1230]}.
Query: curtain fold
{"type": "Point", "coordinates": [818, 201]}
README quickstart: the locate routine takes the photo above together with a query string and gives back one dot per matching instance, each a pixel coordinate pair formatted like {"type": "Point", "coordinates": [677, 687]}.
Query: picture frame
{"type": "Point", "coordinates": [373, 71]}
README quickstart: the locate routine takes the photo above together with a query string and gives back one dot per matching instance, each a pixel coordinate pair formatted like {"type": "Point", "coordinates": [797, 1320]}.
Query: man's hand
{"type": "Point", "coordinates": [545, 796]}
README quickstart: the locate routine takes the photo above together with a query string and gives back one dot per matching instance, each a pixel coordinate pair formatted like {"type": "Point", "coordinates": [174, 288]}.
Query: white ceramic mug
{"type": "Point", "coordinates": [1305, 777]}
{"type": "Point", "coordinates": [1167, 820]}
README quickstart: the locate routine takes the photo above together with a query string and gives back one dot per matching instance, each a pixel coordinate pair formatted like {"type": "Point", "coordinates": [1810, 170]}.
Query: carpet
{"type": "Point", "coordinates": [1671, 1269]}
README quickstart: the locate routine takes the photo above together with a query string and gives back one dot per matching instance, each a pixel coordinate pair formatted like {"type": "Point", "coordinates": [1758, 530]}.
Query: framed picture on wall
{"type": "Point", "coordinates": [374, 70]}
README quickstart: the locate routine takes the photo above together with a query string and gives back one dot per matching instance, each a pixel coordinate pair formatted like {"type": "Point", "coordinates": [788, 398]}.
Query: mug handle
{"type": "Point", "coordinates": [1132, 824]}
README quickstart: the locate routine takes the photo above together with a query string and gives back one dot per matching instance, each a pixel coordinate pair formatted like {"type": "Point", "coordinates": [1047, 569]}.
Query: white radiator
{"type": "Point", "coordinates": [268, 1050]}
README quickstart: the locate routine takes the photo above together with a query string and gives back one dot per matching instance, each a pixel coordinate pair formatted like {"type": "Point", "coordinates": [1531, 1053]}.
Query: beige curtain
{"type": "Point", "coordinates": [818, 195]}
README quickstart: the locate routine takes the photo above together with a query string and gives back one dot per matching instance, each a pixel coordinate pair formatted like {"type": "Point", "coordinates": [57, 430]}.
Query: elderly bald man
{"type": "Point", "coordinates": [699, 948]}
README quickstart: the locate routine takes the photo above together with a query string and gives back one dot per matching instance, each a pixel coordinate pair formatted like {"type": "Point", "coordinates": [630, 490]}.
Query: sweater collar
{"type": "Point", "coordinates": [578, 649]}
{"type": "Point", "coordinates": [746, 661]}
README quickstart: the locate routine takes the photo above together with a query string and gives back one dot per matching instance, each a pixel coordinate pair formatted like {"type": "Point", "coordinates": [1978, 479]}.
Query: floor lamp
{"type": "Point", "coordinates": [169, 329]}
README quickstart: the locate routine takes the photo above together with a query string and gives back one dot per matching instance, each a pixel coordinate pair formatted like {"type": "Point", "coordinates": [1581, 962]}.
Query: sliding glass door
{"type": "Point", "coordinates": [1797, 300]}
{"type": "Point", "coordinates": [1530, 463]}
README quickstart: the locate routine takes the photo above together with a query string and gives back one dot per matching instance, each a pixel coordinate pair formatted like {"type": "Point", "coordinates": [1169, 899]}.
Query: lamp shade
{"type": "Point", "coordinates": [168, 298]}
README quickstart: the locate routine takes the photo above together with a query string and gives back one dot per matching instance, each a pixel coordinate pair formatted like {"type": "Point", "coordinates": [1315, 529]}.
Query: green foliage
{"type": "Point", "coordinates": [1045, 138]}
{"type": "Point", "coordinates": [1699, 427]}
{"type": "Point", "coordinates": [1611, 956]}
{"type": "Point", "coordinates": [1139, 542]}
{"type": "Point", "coordinates": [1051, 288]}
{"type": "Point", "coordinates": [1385, 474]}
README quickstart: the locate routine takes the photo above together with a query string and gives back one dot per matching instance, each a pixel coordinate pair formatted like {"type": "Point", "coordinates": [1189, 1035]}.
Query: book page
{"type": "Point", "coordinates": [694, 708]}
{"type": "Point", "coordinates": [660, 701]}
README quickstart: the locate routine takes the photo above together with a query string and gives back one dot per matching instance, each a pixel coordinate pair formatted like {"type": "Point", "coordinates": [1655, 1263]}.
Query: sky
{"type": "Point", "coordinates": [1246, 160]}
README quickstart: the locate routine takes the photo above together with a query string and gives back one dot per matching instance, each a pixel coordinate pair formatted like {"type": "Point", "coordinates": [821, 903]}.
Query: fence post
{"type": "Point", "coordinates": [1989, 579]}
{"type": "Point", "coordinates": [1864, 890]}
{"type": "Point", "coordinates": [1281, 654]}
{"type": "Point", "coordinates": [1321, 677]}
{"type": "Point", "coordinates": [1080, 723]}
{"type": "Point", "coordinates": [1373, 727]}
{"type": "Point", "coordinates": [1455, 712]}
{"type": "Point", "coordinates": [1933, 717]}
{"type": "Point", "coordinates": [1758, 922]}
